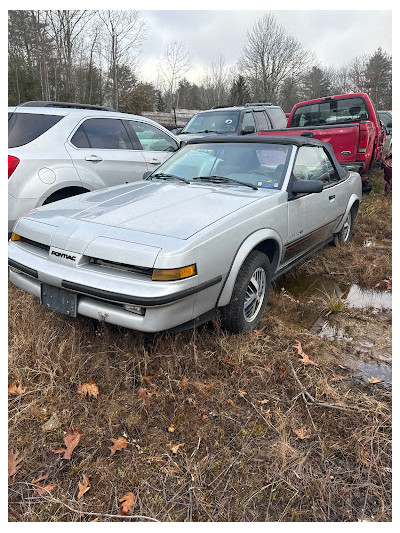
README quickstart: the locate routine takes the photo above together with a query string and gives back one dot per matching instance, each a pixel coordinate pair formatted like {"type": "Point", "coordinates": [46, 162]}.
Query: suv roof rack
{"type": "Point", "coordinates": [46, 103]}
{"type": "Point", "coordinates": [249, 104]}
{"type": "Point", "coordinates": [220, 106]}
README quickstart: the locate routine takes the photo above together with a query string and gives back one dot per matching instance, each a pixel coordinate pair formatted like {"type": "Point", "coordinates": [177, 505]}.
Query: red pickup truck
{"type": "Point", "coordinates": [348, 122]}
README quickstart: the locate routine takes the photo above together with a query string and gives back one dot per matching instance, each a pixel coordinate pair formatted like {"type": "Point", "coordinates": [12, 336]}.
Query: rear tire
{"type": "Point", "coordinates": [64, 193]}
{"type": "Point", "coordinates": [249, 296]}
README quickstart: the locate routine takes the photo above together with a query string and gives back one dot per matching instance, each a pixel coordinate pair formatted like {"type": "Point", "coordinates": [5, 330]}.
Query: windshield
{"type": "Point", "coordinates": [260, 164]}
{"type": "Point", "coordinates": [213, 121]}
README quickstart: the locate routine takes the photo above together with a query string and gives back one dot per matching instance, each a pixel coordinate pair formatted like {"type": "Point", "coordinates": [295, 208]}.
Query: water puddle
{"type": "Point", "coordinates": [352, 294]}
{"type": "Point", "coordinates": [367, 345]}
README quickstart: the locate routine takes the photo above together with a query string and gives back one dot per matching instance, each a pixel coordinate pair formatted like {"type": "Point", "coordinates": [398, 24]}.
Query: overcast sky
{"type": "Point", "coordinates": [335, 37]}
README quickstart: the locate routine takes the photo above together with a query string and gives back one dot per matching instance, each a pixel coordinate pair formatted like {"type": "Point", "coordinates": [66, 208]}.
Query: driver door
{"type": "Point", "coordinates": [311, 217]}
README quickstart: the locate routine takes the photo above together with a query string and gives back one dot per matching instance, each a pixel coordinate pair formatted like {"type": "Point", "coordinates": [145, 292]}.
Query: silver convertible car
{"type": "Point", "coordinates": [209, 229]}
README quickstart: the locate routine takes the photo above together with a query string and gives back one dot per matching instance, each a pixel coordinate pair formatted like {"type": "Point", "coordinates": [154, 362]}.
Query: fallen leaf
{"type": "Point", "coordinates": [71, 440]}
{"type": "Point", "coordinates": [336, 377]}
{"type": "Point", "coordinates": [16, 387]}
{"type": "Point", "coordinates": [183, 383]}
{"type": "Point", "coordinates": [205, 417]}
{"type": "Point", "coordinates": [171, 428]}
{"type": "Point", "coordinates": [228, 362]}
{"type": "Point", "coordinates": [40, 478]}
{"type": "Point", "coordinates": [374, 380]}
{"type": "Point", "coordinates": [43, 490]}
{"type": "Point", "coordinates": [148, 378]}
{"type": "Point", "coordinates": [83, 487]}
{"type": "Point", "coordinates": [175, 447]}
{"type": "Point", "coordinates": [91, 389]}
{"type": "Point", "coordinates": [303, 356]}
{"type": "Point", "coordinates": [13, 462]}
{"type": "Point", "coordinates": [282, 373]}
{"type": "Point", "coordinates": [231, 402]}
{"type": "Point", "coordinates": [302, 433]}
{"type": "Point", "coordinates": [118, 445]}
{"type": "Point", "coordinates": [127, 502]}
{"type": "Point", "coordinates": [51, 424]}
{"type": "Point", "coordinates": [142, 393]}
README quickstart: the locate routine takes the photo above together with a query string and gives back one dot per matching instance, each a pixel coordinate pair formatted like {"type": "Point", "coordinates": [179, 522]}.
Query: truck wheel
{"type": "Point", "coordinates": [249, 296]}
{"type": "Point", "coordinates": [343, 237]}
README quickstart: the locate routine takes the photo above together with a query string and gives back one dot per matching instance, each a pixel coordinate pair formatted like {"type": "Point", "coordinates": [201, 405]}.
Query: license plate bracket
{"type": "Point", "coordinates": [60, 300]}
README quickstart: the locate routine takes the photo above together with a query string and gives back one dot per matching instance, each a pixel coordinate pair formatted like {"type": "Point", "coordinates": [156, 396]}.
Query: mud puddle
{"type": "Point", "coordinates": [365, 342]}
{"type": "Point", "coordinates": [352, 294]}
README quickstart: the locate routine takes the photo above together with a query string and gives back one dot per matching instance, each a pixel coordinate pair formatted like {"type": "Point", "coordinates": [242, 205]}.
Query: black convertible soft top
{"type": "Point", "coordinates": [292, 140]}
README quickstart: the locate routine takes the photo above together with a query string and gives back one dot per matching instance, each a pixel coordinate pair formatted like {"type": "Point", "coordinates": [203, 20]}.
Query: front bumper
{"type": "Point", "coordinates": [166, 305]}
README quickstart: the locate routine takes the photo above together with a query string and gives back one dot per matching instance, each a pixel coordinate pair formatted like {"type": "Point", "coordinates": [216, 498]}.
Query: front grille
{"type": "Point", "coordinates": [35, 244]}
{"type": "Point", "coordinates": [121, 266]}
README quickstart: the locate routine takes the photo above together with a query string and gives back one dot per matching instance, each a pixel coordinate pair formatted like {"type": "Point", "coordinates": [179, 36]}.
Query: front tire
{"type": "Point", "coordinates": [343, 237]}
{"type": "Point", "coordinates": [249, 296]}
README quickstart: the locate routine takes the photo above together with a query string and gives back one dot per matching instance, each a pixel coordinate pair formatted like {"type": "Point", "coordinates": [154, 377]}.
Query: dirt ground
{"type": "Point", "coordinates": [218, 427]}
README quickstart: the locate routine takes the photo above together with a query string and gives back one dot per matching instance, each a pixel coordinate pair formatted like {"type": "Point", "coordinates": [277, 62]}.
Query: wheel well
{"type": "Point", "coordinates": [271, 249]}
{"type": "Point", "coordinates": [67, 192]}
{"type": "Point", "coordinates": [354, 210]}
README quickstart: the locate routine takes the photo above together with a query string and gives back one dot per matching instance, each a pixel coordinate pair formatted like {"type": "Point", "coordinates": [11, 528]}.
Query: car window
{"type": "Point", "coordinates": [312, 163]}
{"type": "Point", "coordinates": [262, 121]}
{"type": "Point", "coordinates": [152, 138]}
{"type": "Point", "coordinates": [24, 128]}
{"type": "Point", "coordinates": [248, 120]}
{"type": "Point", "coordinates": [277, 117]}
{"type": "Point", "coordinates": [385, 118]}
{"type": "Point", "coordinates": [103, 133]}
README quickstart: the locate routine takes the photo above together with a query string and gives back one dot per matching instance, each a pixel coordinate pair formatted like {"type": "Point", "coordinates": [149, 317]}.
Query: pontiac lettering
{"type": "Point", "coordinates": [63, 256]}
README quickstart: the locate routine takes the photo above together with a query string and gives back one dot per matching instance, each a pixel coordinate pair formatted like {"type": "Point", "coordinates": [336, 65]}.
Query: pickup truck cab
{"type": "Point", "coordinates": [349, 122]}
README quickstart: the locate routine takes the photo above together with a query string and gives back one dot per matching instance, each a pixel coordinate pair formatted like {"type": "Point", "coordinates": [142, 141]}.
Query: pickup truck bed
{"type": "Point", "coordinates": [342, 137]}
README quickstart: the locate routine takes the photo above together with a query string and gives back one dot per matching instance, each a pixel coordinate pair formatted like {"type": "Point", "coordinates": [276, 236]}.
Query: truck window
{"type": "Point", "coordinates": [329, 112]}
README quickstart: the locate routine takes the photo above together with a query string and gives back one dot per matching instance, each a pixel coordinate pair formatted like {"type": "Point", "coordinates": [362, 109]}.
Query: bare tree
{"type": "Point", "coordinates": [67, 27]}
{"type": "Point", "coordinates": [215, 82]}
{"type": "Point", "coordinates": [173, 65]}
{"type": "Point", "coordinates": [269, 55]}
{"type": "Point", "coordinates": [126, 32]}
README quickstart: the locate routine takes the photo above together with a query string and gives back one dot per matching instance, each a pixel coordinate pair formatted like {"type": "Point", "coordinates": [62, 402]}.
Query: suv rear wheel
{"type": "Point", "coordinates": [64, 193]}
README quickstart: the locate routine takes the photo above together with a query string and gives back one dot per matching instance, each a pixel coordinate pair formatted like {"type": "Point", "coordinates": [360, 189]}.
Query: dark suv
{"type": "Point", "coordinates": [234, 120]}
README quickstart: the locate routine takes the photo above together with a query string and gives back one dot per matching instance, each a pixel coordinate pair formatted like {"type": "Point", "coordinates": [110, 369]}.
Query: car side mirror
{"type": "Point", "coordinates": [307, 186]}
{"type": "Point", "coordinates": [248, 129]}
{"type": "Point", "coordinates": [147, 174]}
{"type": "Point", "coordinates": [182, 144]}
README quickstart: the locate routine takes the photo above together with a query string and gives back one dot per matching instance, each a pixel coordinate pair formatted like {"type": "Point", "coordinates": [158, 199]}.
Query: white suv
{"type": "Point", "coordinates": [56, 151]}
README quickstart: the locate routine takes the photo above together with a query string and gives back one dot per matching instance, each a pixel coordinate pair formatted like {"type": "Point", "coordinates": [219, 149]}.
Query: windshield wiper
{"type": "Point", "coordinates": [162, 175]}
{"type": "Point", "coordinates": [223, 179]}
{"type": "Point", "coordinates": [207, 131]}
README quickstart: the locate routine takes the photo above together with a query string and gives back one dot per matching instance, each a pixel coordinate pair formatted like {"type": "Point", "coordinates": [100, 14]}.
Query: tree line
{"type": "Point", "coordinates": [94, 57]}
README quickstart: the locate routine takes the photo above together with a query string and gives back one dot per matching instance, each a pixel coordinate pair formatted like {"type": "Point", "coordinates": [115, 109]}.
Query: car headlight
{"type": "Point", "coordinates": [173, 274]}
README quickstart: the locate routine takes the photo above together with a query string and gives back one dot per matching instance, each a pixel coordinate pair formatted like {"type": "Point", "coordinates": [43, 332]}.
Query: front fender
{"type": "Point", "coordinates": [245, 248]}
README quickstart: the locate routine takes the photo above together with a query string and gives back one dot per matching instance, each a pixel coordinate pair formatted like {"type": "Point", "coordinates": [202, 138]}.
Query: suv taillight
{"type": "Point", "coordinates": [363, 139]}
{"type": "Point", "coordinates": [12, 164]}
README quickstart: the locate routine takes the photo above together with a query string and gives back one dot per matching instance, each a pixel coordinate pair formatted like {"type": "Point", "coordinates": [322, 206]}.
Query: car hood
{"type": "Point", "coordinates": [175, 210]}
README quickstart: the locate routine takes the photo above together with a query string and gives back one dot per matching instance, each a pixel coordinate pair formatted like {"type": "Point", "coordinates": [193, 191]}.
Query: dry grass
{"type": "Point", "coordinates": [241, 459]}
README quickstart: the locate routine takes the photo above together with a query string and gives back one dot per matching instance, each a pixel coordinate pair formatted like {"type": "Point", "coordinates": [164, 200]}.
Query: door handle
{"type": "Point", "coordinates": [154, 162]}
{"type": "Point", "coordinates": [93, 158]}
{"type": "Point", "coordinates": [331, 198]}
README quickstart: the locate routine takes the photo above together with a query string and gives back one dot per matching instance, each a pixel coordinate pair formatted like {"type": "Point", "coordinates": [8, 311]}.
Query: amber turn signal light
{"type": "Point", "coordinates": [172, 274]}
